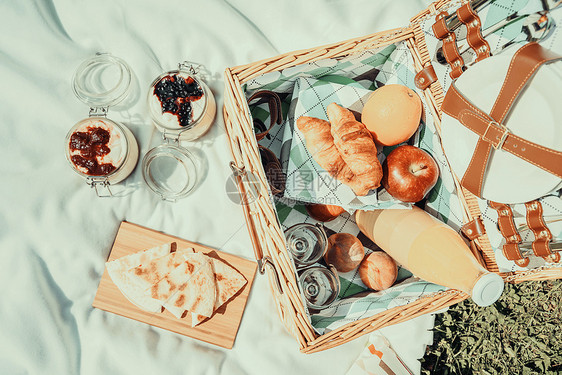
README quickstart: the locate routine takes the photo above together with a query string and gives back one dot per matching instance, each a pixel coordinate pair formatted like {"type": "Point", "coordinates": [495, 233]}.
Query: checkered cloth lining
{"type": "Point", "coordinates": [355, 301]}
{"type": "Point", "coordinates": [306, 180]}
{"type": "Point", "coordinates": [493, 13]}
{"type": "Point", "coordinates": [367, 71]}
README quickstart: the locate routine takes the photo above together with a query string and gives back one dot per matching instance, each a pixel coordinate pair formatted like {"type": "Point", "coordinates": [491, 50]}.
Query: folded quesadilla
{"type": "Point", "coordinates": [117, 270]}
{"type": "Point", "coordinates": [181, 280]}
{"type": "Point", "coordinates": [190, 286]}
{"type": "Point", "coordinates": [228, 283]}
{"type": "Point", "coordinates": [149, 273]}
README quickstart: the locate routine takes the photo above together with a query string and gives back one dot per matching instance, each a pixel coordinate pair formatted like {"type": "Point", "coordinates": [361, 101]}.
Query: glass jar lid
{"type": "Point", "coordinates": [307, 243]}
{"type": "Point", "coordinates": [96, 148]}
{"type": "Point", "coordinates": [169, 171]}
{"type": "Point", "coordinates": [102, 81]}
{"type": "Point", "coordinates": [178, 99]}
{"type": "Point", "coordinates": [320, 286]}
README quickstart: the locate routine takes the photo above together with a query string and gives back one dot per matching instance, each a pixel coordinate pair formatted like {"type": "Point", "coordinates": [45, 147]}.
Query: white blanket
{"type": "Point", "coordinates": [55, 234]}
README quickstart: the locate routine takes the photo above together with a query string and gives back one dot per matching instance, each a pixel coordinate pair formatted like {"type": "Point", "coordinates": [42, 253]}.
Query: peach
{"type": "Point", "coordinates": [378, 271]}
{"type": "Point", "coordinates": [345, 252]}
{"type": "Point", "coordinates": [324, 212]}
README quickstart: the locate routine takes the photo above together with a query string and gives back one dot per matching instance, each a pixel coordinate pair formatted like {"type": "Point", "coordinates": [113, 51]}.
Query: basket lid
{"type": "Point", "coordinates": [534, 117]}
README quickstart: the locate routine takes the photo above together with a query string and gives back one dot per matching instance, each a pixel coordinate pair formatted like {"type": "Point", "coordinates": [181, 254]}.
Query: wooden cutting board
{"type": "Point", "coordinates": [220, 329]}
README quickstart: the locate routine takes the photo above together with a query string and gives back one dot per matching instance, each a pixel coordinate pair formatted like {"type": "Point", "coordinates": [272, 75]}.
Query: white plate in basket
{"type": "Point", "coordinates": [536, 116]}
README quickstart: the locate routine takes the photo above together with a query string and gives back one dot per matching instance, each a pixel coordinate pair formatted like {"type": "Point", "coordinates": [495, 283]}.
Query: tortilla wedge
{"type": "Point", "coordinates": [117, 270]}
{"type": "Point", "coordinates": [190, 286]}
{"type": "Point", "coordinates": [150, 273]}
{"type": "Point", "coordinates": [228, 282]}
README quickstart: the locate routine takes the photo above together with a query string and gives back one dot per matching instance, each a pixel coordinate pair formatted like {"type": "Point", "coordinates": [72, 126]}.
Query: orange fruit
{"type": "Point", "coordinates": [392, 114]}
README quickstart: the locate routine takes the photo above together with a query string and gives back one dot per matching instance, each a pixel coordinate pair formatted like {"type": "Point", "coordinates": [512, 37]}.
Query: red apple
{"type": "Point", "coordinates": [409, 173]}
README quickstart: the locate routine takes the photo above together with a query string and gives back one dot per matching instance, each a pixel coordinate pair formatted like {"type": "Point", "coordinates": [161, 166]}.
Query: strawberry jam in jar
{"type": "Point", "coordinates": [102, 151]}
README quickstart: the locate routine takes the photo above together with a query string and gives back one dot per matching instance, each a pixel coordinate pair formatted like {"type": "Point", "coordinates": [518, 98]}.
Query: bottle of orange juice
{"type": "Point", "coordinates": [431, 250]}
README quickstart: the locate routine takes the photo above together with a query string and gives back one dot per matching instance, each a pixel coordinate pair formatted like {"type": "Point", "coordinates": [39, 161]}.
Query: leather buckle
{"type": "Point", "coordinates": [474, 228]}
{"type": "Point", "coordinates": [499, 145]}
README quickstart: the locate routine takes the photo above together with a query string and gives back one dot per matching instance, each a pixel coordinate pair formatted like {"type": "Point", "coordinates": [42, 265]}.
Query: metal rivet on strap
{"type": "Point", "coordinates": [534, 206]}
{"type": "Point", "coordinates": [475, 23]}
{"type": "Point", "coordinates": [469, 231]}
{"type": "Point", "coordinates": [421, 80]}
{"type": "Point", "coordinates": [513, 238]}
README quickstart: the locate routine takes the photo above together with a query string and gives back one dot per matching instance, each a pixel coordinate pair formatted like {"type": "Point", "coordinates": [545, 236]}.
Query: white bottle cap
{"type": "Point", "coordinates": [488, 289]}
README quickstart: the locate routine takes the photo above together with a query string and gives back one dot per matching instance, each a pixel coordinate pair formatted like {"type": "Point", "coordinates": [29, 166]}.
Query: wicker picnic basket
{"type": "Point", "coordinates": [268, 237]}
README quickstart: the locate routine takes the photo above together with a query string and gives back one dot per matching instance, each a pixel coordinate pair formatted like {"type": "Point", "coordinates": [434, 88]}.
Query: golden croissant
{"type": "Point", "coordinates": [344, 148]}
{"type": "Point", "coordinates": [356, 146]}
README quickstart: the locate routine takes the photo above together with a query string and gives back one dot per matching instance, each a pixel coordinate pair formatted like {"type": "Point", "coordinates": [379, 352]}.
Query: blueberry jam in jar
{"type": "Point", "coordinates": [181, 105]}
{"type": "Point", "coordinates": [176, 95]}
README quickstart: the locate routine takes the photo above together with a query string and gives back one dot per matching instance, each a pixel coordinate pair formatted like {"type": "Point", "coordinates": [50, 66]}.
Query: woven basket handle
{"type": "Point", "coordinates": [262, 260]}
{"type": "Point", "coordinates": [275, 113]}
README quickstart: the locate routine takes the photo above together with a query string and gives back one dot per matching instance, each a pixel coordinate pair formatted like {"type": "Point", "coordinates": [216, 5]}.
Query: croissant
{"type": "Point", "coordinates": [356, 147]}
{"type": "Point", "coordinates": [320, 145]}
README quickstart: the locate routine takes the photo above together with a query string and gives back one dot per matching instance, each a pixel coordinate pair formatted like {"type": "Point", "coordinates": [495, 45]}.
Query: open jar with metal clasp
{"type": "Point", "coordinates": [102, 151]}
{"type": "Point", "coordinates": [319, 284]}
{"type": "Point", "coordinates": [182, 108]}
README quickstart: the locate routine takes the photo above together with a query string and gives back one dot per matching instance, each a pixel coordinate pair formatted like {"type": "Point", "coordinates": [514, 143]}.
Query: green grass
{"type": "Point", "coordinates": [519, 334]}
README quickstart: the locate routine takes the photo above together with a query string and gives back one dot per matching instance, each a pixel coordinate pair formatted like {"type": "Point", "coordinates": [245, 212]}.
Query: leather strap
{"type": "Point", "coordinates": [476, 41]}
{"type": "Point", "coordinates": [474, 229]}
{"type": "Point", "coordinates": [543, 236]}
{"type": "Point", "coordinates": [492, 132]}
{"type": "Point", "coordinates": [450, 50]}
{"type": "Point", "coordinates": [512, 238]}
{"type": "Point", "coordinates": [522, 68]}
{"type": "Point", "coordinates": [275, 113]}
{"type": "Point", "coordinates": [425, 77]}
{"type": "Point", "coordinates": [500, 138]}
{"type": "Point", "coordinates": [273, 170]}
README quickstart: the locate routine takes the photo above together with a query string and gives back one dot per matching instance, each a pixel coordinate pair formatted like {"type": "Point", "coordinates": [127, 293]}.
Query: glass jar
{"type": "Point", "coordinates": [180, 103]}
{"type": "Point", "coordinates": [182, 108]}
{"type": "Point", "coordinates": [169, 171]}
{"type": "Point", "coordinates": [320, 286]}
{"type": "Point", "coordinates": [307, 243]}
{"type": "Point", "coordinates": [102, 151]}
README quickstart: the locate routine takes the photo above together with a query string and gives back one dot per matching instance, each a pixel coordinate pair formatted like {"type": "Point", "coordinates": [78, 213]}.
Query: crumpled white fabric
{"type": "Point", "coordinates": [55, 234]}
